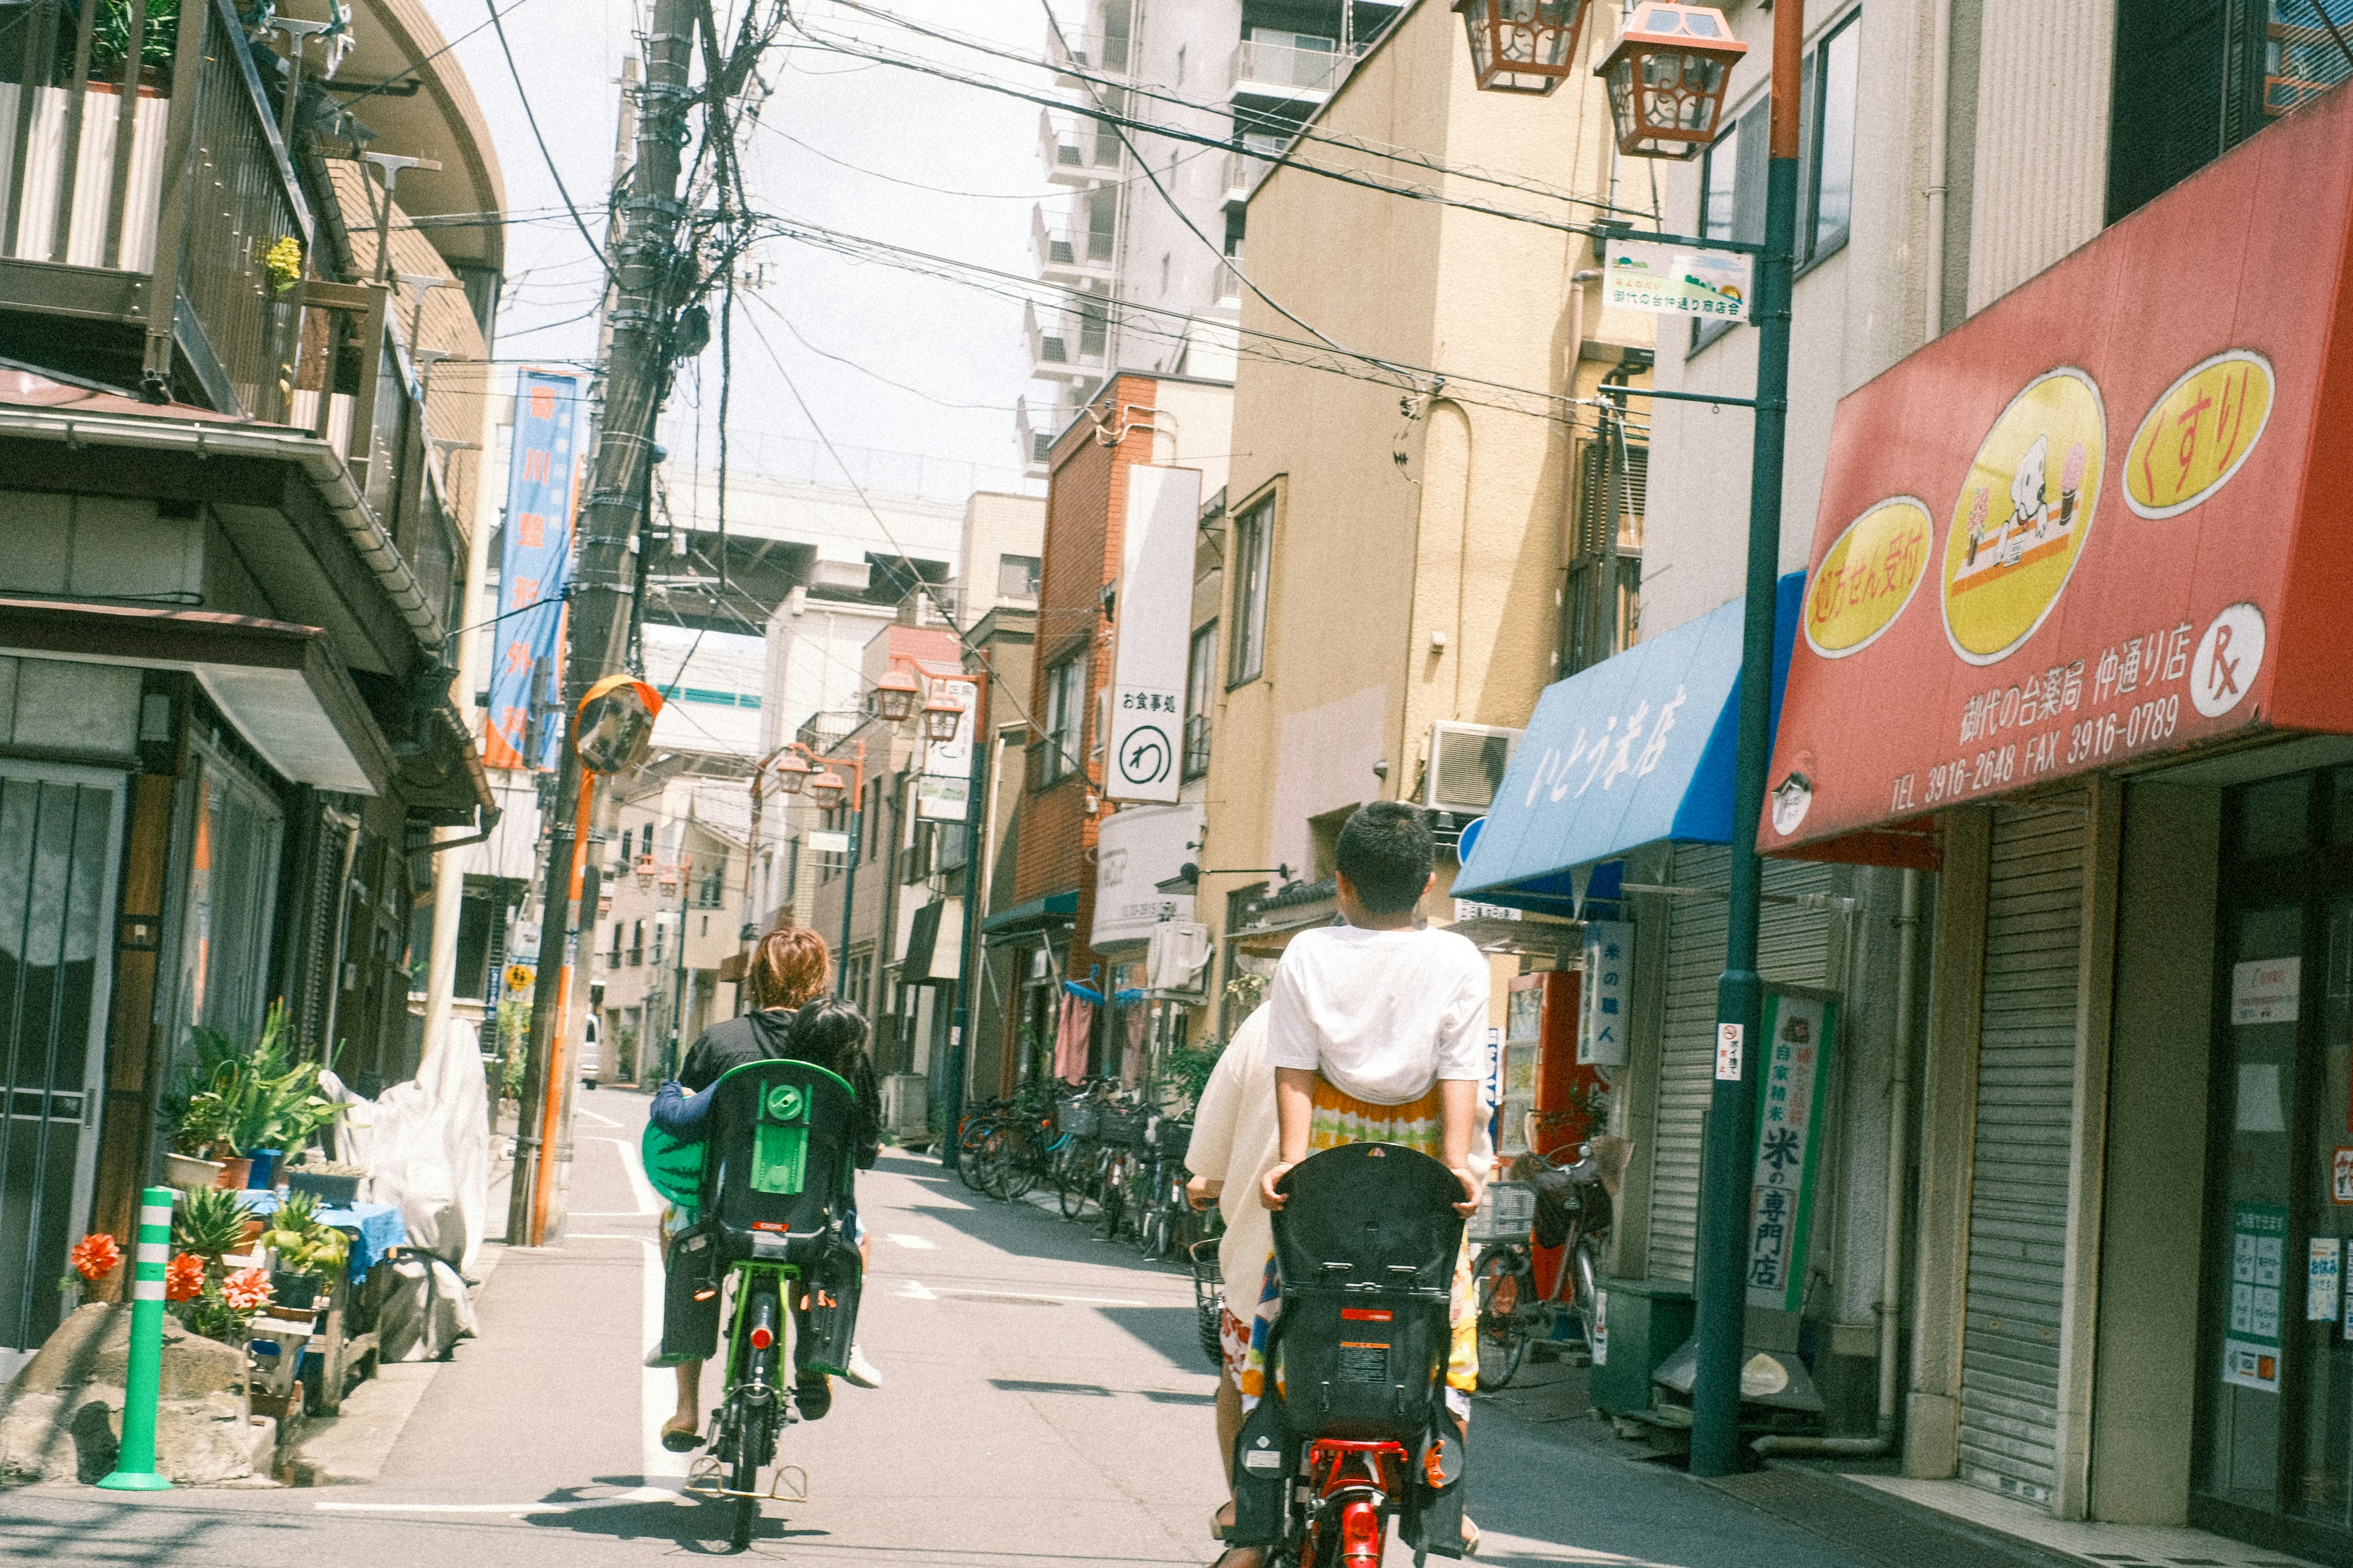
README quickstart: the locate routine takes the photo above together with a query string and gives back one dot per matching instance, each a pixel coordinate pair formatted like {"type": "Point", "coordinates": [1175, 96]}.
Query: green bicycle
{"type": "Point", "coordinates": [770, 1191]}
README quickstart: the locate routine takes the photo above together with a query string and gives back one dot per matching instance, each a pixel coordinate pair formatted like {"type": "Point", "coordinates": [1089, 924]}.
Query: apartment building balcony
{"type": "Point", "coordinates": [1078, 57]}
{"type": "Point", "coordinates": [1034, 430]}
{"type": "Point", "coordinates": [1244, 170]}
{"type": "Point", "coordinates": [141, 201]}
{"type": "Point", "coordinates": [1077, 150]}
{"type": "Point", "coordinates": [1290, 68]}
{"type": "Point", "coordinates": [1069, 255]}
{"type": "Point", "coordinates": [1065, 345]}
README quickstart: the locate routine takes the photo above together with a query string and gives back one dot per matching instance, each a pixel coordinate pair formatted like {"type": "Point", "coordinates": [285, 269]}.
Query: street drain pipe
{"type": "Point", "coordinates": [1890, 1265]}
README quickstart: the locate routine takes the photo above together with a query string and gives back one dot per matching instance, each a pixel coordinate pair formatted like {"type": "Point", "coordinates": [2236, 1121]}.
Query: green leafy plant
{"type": "Point", "coordinates": [208, 1223]}
{"type": "Point", "coordinates": [1244, 992]}
{"type": "Point", "coordinates": [236, 1098]}
{"type": "Point", "coordinates": [109, 38]}
{"type": "Point", "coordinates": [1183, 1073]}
{"type": "Point", "coordinates": [303, 1245]}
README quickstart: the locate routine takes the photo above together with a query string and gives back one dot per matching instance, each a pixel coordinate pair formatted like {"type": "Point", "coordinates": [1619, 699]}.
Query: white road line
{"type": "Point", "coordinates": [600, 1120]}
{"type": "Point", "coordinates": [915, 1243]}
{"type": "Point", "coordinates": [649, 1201]}
{"type": "Point", "coordinates": [913, 1290]}
{"type": "Point", "coordinates": [960, 1294]}
{"type": "Point", "coordinates": [658, 1389]}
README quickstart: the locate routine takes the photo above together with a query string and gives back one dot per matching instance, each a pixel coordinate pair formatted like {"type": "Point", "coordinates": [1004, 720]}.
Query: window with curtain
{"type": "Point", "coordinates": [1200, 691]}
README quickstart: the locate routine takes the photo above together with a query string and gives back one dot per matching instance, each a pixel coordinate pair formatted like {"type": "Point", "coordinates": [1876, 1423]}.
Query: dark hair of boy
{"type": "Point", "coordinates": [1386, 852]}
{"type": "Point", "coordinates": [830, 1033]}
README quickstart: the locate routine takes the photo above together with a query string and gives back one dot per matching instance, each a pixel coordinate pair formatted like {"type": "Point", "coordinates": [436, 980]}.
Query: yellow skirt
{"type": "Point", "coordinates": [1340, 1119]}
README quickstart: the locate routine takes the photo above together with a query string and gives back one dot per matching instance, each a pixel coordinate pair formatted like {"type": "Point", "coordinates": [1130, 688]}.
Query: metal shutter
{"type": "Point", "coordinates": [1793, 945]}
{"type": "Point", "coordinates": [2017, 1192]}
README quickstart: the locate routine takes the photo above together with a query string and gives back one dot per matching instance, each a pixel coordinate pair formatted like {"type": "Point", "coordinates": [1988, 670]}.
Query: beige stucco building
{"type": "Point", "coordinates": [1395, 542]}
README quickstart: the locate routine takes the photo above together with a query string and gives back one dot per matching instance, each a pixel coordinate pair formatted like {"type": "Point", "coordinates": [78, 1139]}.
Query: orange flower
{"type": "Point", "coordinates": [95, 1256]}
{"type": "Point", "coordinates": [247, 1289]}
{"type": "Point", "coordinates": [183, 1277]}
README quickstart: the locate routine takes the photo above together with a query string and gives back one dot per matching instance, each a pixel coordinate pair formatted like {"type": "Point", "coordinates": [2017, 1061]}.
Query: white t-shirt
{"type": "Point", "coordinates": [1235, 1141]}
{"type": "Point", "coordinates": [1381, 1014]}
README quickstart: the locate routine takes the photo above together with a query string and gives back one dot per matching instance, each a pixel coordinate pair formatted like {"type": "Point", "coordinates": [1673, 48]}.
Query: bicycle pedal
{"type": "Point", "coordinates": [800, 1492]}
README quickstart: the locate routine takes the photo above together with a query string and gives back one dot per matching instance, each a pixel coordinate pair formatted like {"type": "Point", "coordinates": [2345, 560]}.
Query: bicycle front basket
{"type": "Point", "coordinates": [1078, 1118]}
{"type": "Point", "coordinates": [1506, 1213]}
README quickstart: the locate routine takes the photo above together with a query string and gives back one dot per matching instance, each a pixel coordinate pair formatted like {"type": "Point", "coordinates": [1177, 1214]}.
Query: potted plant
{"type": "Point", "coordinates": [199, 1289]}
{"type": "Point", "coordinates": [334, 1184]}
{"type": "Point", "coordinates": [308, 1251]}
{"type": "Point", "coordinates": [244, 1104]}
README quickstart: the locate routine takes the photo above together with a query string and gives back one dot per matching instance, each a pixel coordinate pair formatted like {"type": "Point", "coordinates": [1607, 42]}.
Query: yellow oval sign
{"type": "Point", "coordinates": [1868, 577]}
{"type": "Point", "coordinates": [2023, 514]}
{"type": "Point", "coordinates": [2196, 436]}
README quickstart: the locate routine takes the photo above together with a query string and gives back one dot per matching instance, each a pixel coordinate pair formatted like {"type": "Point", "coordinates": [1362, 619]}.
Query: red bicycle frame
{"type": "Point", "coordinates": [1352, 1483]}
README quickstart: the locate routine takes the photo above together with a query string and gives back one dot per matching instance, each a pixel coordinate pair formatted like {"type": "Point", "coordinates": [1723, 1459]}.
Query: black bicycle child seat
{"type": "Point", "coordinates": [781, 1160]}
{"type": "Point", "coordinates": [1367, 1243]}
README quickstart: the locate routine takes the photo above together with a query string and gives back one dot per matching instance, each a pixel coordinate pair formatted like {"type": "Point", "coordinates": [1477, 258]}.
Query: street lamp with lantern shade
{"type": "Point", "coordinates": [792, 774]}
{"type": "Point", "coordinates": [1524, 46]}
{"type": "Point", "coordinates": [942, 719]}
{"type": "Point", "coordinates": [1667, 77]}
{"type": "Point", "coordinates": [826, 789]}
{"type": "Point", "coordinates": [894, 695]}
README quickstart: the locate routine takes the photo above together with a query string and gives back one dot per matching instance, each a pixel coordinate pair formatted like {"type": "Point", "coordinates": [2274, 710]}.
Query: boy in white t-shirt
{"type": "Point", "coordinates": [1376, 1031]}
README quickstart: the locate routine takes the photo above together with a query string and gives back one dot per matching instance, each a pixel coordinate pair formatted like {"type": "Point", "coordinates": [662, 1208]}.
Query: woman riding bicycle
{"type": "Point", "coordinates": [791, 1020]}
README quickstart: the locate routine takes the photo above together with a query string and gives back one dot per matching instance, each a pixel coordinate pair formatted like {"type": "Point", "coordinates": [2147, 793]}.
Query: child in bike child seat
{"type": "Point", "coordinates": [791, 1019]}
{"type": "Point", "coordinates": [1376, 1031]}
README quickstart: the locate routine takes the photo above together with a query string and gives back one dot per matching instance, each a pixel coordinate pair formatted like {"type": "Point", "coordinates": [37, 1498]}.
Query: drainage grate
{"type": "Point", "coordinates": [1887, 1532]}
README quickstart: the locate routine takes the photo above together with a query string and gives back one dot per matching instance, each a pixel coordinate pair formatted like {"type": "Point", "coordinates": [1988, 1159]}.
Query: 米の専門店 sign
{"type": "Point", "coordinates": [2097, 522]}
{"type": "Point", "coordinates": [1794, 1075]}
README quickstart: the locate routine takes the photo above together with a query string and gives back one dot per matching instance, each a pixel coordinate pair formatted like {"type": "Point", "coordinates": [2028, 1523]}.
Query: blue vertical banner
{"type": "Point", "coordinates": [534, 568]}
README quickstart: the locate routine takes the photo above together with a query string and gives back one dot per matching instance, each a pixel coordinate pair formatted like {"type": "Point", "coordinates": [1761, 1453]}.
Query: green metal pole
{"type": "Point", "coordinates": [1727, 1167]}
{"type": "Point", "coordinates": [134, 1466]}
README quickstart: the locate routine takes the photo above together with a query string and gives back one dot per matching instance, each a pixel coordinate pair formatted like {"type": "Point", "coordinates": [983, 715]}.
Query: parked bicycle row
{"type": "Point", "coordinates": [1098, 1146]}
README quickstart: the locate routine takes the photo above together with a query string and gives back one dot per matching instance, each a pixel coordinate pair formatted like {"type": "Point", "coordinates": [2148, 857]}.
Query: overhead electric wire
{"type": "Point", "coordinates": [398, 76]}
{"type": "Point", "coordinates": [938, 190]}
{"type": "Point", "coordinates": [786, 321]}
{"type": "Point", "coordinates": [1396, 375]}
{"type": "Point", "coordinates": [1144, 166]}
{"type": "Point", "coordinates": [1174, 133]}
{"type": "Point", "coordinates": [923, 584]}
{"type": "Point", "coordinates": [1393, 152]}
{"type": "Point", "coordinates": [532, 117]}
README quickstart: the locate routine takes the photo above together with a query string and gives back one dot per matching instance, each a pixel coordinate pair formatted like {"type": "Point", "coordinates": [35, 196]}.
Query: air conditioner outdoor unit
{"type": "Point", "coordinates": [1466, 765]}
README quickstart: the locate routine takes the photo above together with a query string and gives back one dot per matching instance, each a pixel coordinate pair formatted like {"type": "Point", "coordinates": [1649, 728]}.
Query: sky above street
{"type": "Point", "coordinates": [867, 149]}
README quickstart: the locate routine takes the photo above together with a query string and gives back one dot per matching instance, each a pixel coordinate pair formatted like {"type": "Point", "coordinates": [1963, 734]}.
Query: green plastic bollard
{"type": "Point", "coordinates": [134, 1466]}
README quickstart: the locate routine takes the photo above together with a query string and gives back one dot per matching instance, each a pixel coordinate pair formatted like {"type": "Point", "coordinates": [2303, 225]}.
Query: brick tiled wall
{"type": "Point", "coordinates": [1086, 500]}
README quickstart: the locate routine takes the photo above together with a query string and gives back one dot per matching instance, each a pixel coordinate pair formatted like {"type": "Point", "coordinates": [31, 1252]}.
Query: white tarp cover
{"type": "Point", "coordinates": [426, 1147]}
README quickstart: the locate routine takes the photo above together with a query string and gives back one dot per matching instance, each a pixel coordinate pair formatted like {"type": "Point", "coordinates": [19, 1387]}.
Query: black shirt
{"type": "Point", "coordinates": [766, 1036]}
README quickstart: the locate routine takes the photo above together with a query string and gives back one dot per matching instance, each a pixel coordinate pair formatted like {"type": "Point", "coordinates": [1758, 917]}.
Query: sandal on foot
{"type": "Point", "coordinates": [1469, 1539]}
{"type": "Point", "coordinates": [1228, 1558]}
{"type": "Point", "coordinates": [1219, 1523]}
{"type": "Point", "coordinates": [680, 1440]}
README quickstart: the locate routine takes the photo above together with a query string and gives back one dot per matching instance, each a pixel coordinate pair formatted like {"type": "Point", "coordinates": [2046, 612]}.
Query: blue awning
{"type": "Point", "coordinates": [1636, 750]}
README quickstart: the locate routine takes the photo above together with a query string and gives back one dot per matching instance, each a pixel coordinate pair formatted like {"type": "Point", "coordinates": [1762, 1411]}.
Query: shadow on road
{"type": "Point", "coordinates": [701, 1526]}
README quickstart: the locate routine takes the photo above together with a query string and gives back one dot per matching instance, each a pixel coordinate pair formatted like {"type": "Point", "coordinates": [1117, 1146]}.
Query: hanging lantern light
{"type": "Point", "coordinates": [826, 790]}
{"type": "Point", "coordinates": [1524, 46]}
{"type": "Point", "coordinates": [791, 774]}
{"type": "Point", "coordinates": [1666, 79]}
{"type": "Point", "coordinates": [894, 695]}
{"type": "Point", "coordinates": [942, 718]}
{"type": "Point", "coordinates": [644, 871]}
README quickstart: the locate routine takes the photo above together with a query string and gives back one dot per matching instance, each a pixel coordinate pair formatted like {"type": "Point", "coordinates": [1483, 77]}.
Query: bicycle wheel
{"type": "Point", "coordinates": [1587, 1288]}
{"type": "Point", "coordinates": [1500, 1277]}
{"type": "Point", "coordinates": [991, 1159]}
{"type": "Point", "coordinates": [1020, 1168]}
{"type": "Point", "coordinates": [968, 1142]}
{"type": "Point", "coordinates": [743, 1474]}
{"type": "Point", "coordinates": [1070, 1179]}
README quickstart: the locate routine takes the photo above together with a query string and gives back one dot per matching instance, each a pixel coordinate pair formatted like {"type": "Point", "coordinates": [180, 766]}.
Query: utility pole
{"type": "Point", "coordinates": [970, 954]}
{"type": "Point", "coordinates": [643, 287]}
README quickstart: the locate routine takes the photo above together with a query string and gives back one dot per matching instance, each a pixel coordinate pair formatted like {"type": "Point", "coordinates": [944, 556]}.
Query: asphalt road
{"type": "Point", "coordinates": [1044, 1403]}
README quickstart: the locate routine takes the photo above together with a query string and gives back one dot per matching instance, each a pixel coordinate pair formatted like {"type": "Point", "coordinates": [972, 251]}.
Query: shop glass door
{"type": "Point", "coordinates": [2278, 1438]}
